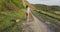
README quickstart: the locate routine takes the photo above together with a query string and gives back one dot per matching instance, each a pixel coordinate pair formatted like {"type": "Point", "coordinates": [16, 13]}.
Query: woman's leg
{"type": "Point", "coordinates": [28, 16]}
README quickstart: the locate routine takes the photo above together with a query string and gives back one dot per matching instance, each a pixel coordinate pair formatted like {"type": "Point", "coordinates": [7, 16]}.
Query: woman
{"type": "Point", "coordinates": [27, 13]}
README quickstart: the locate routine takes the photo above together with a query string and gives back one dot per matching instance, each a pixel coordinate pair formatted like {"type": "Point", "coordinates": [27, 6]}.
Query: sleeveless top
{"type": "Point", "coordinates": [27, 9]}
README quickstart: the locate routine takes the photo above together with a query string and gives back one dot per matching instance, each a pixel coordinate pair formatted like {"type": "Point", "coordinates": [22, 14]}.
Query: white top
{"type": "Point", "coordinates": [28, 9]}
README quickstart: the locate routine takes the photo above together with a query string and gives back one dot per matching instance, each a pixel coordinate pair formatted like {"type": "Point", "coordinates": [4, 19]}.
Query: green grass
{"type": "Point", "coordinates": [47, 14]}
{"type": "Point", "coordinates": [9, 16]}
{"type": "Point", "coordinates": [51, 14]}
{"type": "Point", "coordinates": [17, 3]}
{"type": "Point", "coordinates": [48, 10]}
{"type": "Point", "coordinates": [45, 18]}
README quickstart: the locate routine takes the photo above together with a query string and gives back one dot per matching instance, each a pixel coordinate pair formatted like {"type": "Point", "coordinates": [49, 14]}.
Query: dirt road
{"type": "Point", "coordinates": [37, 26]}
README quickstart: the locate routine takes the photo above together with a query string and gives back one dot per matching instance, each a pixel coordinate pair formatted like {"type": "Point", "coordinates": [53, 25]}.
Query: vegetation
{"type": "Point", "coordinates": [47, 8]}
{"type": "Point", "coordinates": [10, 11]}
{"type": "Point", "coordinates": [47, 14]}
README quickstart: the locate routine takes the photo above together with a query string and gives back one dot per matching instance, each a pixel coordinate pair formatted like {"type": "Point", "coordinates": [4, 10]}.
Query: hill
{"type": "Point", "coordinates": [48, 14]}
{"type": "Point", "coordinates": [10, 11]}
{"type": "Point", "coordinates": [49, 10]}
{"type": "Point", "coordinates": [46, 7]}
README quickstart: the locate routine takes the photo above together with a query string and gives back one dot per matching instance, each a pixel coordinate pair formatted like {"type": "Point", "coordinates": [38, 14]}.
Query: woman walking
{"type": "Point", "coordinates": [27, 13]}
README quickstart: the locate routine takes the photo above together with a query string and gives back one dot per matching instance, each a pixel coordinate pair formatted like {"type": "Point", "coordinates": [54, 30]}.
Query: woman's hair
{"type": "Point", "coordinates": [26, 6]}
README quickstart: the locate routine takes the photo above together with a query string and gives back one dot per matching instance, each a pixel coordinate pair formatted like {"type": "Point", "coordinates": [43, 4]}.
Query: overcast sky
{"type": "Point", "coordinates": [47, 2]}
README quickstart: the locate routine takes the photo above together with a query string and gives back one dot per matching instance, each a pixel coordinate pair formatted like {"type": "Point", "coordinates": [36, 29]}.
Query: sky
{"type": "Point", "coordinates": [46, 2]}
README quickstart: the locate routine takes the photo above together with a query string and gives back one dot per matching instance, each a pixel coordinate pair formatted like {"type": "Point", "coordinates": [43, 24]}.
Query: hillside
{"type": "Point", "coordinates": [49, 10]}
{"type": "Point", "coordinates": [48, 15]}
{"type": "Point", "coordinates": [52, 9]}
{"type": "Point", "coordinates": [46, 7]}
{"type": "Point", "coordinates": [13, 10]}
{"type": "Point", "coordinates": [10, 12]}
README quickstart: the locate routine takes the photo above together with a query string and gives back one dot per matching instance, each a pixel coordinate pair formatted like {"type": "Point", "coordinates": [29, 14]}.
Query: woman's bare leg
{"type": "Point", "coordinates": [28, 16]}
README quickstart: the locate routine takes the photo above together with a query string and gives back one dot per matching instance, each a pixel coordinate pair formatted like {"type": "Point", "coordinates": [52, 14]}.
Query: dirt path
{"type": "Point", "coordinates": [36, 26]}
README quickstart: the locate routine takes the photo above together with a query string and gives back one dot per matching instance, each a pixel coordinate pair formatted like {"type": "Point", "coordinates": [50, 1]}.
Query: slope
{"type": "Point", "coordinates": [48, 15]}
{"type": "Point", "coordinates": [49, 10]}
{"type": "Point", "coordinates": [10, 11]}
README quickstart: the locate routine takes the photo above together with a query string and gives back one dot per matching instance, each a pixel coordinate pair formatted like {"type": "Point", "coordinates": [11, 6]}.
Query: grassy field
{"type": "Point", "coordinates": [10, 11]}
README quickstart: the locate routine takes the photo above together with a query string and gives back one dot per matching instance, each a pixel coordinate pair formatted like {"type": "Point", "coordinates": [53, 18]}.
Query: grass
{"type": "Point", "coordinates": [45, 18]}
{"type": "Point", "coordinates": [8, 18]}
{"type": "Point", "coordinates": [9, 15]}
{"type": "Point", "coordinates": [48, 10]}
{"type": "Point", "coordinates": [17, 3]}
{"type": "Point", "coordinates": [51, 14]}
